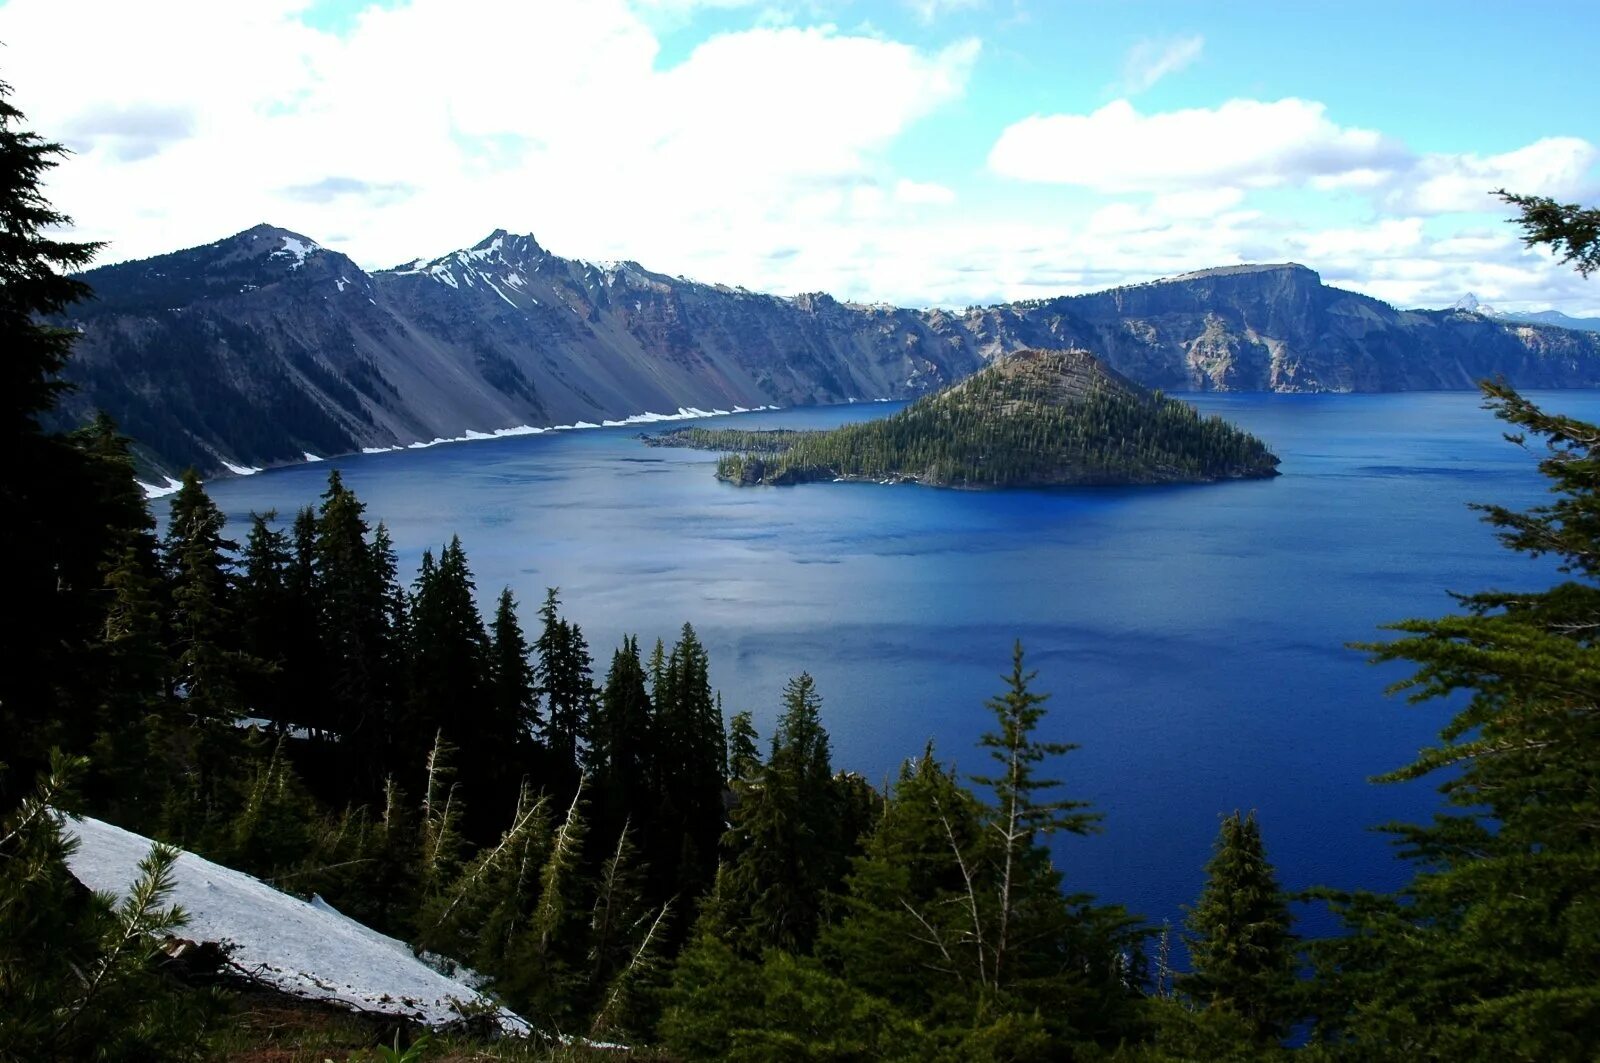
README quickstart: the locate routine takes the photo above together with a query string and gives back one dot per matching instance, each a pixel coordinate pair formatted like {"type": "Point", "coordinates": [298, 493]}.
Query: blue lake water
{"type": "Point", "coordinates": [1193, 637]}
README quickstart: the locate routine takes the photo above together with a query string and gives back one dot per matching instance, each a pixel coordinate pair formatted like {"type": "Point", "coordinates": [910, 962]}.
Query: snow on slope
{"type": "Point", "coordinates": [307, 950]}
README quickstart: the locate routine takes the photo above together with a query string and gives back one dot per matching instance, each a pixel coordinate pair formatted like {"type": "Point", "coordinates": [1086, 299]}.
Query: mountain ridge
{"type": "Point", "coordinates": [261, 347]}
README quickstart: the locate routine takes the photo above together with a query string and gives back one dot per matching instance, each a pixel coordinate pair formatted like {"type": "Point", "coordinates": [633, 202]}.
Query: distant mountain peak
{"type": "Point", "coordinates": [272, 242]}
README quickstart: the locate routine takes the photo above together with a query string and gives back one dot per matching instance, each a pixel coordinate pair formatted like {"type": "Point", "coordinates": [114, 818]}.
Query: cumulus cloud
{"type": "Point", "coordinates": [1242, 142]}
{"type": "Point", "coordinates": [1148, 61]}
{"type": "Point", "coordinates": [420, 126]}
{"type": "Point", "coordinates": [1441, 183]}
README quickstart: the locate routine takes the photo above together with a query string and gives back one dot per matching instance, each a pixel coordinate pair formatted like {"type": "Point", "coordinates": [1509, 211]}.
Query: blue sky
{"type": "Point", "coordinates": [912, 151]}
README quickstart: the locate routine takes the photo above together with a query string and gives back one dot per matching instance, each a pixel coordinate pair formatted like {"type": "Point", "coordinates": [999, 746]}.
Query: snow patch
{"type": "Point", "coordinates": [240, 470]}
{"type": "Point", "coordinates": [305, 949]}
{"type": "Point", "coordinates": [160, 490]}
{"type": "Point", "coordinates": [342, 283]}
{"type": "Point", "coordinates": [297, 249]}
{"type": "Point", "coordinates": [310, 456]}
{"type": "Point", "coordinates": [500, 293]}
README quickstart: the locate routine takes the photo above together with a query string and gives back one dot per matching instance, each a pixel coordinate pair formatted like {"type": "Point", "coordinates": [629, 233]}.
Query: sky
{"type": "Point", "coordinates": [915, 152]}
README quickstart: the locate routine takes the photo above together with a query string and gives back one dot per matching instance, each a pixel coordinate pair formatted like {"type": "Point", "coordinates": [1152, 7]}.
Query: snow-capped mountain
{"type": "Point", "coordinates": [265, 347]}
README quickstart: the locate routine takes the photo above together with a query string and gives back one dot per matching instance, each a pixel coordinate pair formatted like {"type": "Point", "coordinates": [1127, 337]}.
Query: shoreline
{"type": "Point", "coordinates": [685, 413]}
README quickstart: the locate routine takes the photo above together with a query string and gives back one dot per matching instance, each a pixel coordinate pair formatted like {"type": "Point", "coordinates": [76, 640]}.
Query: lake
{"type": "Point", "coordinates": [1193, 637]}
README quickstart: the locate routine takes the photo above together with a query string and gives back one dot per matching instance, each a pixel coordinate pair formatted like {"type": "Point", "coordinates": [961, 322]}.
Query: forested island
{"type": "Point", "coordinates": [1031, 419]}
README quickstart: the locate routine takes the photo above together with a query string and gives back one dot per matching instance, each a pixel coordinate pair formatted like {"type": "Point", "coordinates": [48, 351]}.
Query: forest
{"type": "Point", "coordinates": [1031, 419]}
{"type": "Point", "coordinates": [626, 862]}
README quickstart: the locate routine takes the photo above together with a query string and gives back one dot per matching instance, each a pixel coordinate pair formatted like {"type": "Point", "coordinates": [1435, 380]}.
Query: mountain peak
{"type": "Point", "coordinates": [269, 241]}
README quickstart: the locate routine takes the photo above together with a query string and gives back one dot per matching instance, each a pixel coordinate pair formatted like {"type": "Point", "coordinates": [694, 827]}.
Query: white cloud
{"type": "Point", "coordinates": [764, 158]}
{"type": "Point", "coordinates": [1242, 142]}
{"type": "Point", "coordinates": [427, 124]}
{"type": "Point", "coordinates": [1441, 183]}
{"type": "Point", "coordinates": [1150, 60]}
{"type": "Point", "coordinates": [923, 192]}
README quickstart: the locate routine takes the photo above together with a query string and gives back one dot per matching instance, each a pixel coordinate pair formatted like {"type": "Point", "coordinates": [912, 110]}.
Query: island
{"type": "Point", "coordinates": [1034, 418]}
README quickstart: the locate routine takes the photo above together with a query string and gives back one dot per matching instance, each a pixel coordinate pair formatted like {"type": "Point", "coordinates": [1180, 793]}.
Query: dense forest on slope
{"type": "Point", "coordinates": [1032, 419]}
{"type": "Point", "coordinates": [622, 859]}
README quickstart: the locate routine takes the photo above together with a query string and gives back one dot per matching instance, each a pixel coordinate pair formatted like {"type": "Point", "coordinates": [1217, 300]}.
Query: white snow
{"type": "Point", "coordinates": [311, 457]}
{"type": "Point", "coordinates": [160, 490]}
{"type": "Point", "coordinates": [498, 292]}
{"type": "Point", "coordinates": [304, 949]}
{"type": "Point", "coordinates": [240, 470]}
{"type": "Point", "coordinates": [299, 249]}
{"type": "Point", "coordinates": [341, 282]}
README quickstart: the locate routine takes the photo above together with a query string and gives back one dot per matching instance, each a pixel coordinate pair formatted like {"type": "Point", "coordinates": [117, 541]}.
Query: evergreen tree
{"type": "Point", "coordinates": [566, 681]}
{"type": "Point", "coordinates": [1240, 944]}
{"type": "Point", "coordinates": [623, 742]}
{"type": "Point", "coordinates": [515, 696]}
{"type": "Point", "coordinates": [1022, 817]}
{"type": "Point", "coordinates": [785, 833]}
{"type": "Point", "coordinates": [77, 979]}
{"type": "Point", "coordinates": [266, 619]}
{"type": "Point", "coordinates": [204, 626]}
{"type": "Point", "coordinates": [49, 576]}
{"type": "Point", "coordinates": [744, 756]}
{"type": "Point", "coordinates": [691, 770]}
{"type": "Point", "coordinates": [1493, 948]}
{"type": "Point", "coordinates": [1571, 229]}
{"type": "Point", "coordinates": [450, 672]}
{"type": "Point", "coordinates": [354, 629]}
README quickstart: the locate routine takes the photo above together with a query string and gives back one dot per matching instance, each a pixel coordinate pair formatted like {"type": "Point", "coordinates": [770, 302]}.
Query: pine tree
{"type": "Point", "coordinates": [266, 619]}
{"type": "Point", "coordinates": [1493, 948]}
{"type": "Point", "coordinates": [450, 687]}
{"type": "Point", "coordinates": [204, 625]}
{"type": "Point", "coordinates": [49, 576]}
{"type": "Point", "coordinates": [691, 770]}
{"type": "Point", "coordinates": [744, 756]}
{"type": "Point", "coordinates": [1021, 816]}
{"type": "Point", "coordinates": [515, 697]}
{"type": "Point", "coordinates": [785, 833]}
{"type": "Point", "coordinates": [76, 974]}
{"type": "Point", "coordinates": [566, 681]}
{"type": "Point", "coordinates": [354, 632]}
{"type": "Point", "coordinates": [1240, 944]}
{"type": "Point", "coordinates": [623, 746]}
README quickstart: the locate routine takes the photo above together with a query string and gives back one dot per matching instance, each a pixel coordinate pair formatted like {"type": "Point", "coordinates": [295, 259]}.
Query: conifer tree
{"type": "Point", "coordinates": [450, 671]}
{"type": "Point", "coordinates": [785, 833]}
{"type": "Point", "coordinates": [353, 626]}
{"type": "Point", "coordinates": [206, 652]}
{"type": "Point", "coordinates": [1492, 950]}
{"type": "Point", "coordinates": [51, 573]}
{"type": "Point", "coordinates": [691, 769]}
{"type": "Point", "coordinates": [744, 756]}
{"type": "Point", "coordinates": [1240, 945]}
{"type": "Point", "coordinates": [267, 619]}
{"type": "Point", "coordinates": [566, 681]}
{"type": "Point", "coordinates": [1021, 816]}
{"type": "Point", "coordinates": [623, 743]}
{"type": "Point", "coordinates": [76, 977]}
{"type": "Point", "coordinates": [515, 695]}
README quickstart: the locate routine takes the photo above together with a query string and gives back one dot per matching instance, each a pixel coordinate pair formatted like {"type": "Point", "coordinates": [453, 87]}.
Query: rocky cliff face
{"type": "Point", "coordinates": [259, 348]}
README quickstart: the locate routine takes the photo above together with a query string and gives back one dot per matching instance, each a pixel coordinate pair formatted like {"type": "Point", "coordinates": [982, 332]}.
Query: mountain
{"type": "Point", "coordinates": [263, 347]}
{"type": "Point", "coordinates": [1554, 318]}
{"type": "Point", "coordinates": [1030, 419]}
